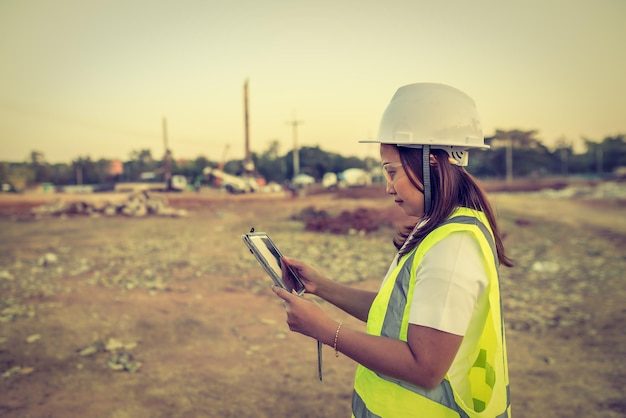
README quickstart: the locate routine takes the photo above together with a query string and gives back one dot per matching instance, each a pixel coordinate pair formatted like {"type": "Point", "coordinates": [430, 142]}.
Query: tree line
{"type": "Point", "coordinates": [513, 153]}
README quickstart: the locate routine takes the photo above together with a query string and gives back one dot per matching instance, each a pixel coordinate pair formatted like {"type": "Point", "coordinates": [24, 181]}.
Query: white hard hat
{"type": "Point", "coordinates": [432, 114]}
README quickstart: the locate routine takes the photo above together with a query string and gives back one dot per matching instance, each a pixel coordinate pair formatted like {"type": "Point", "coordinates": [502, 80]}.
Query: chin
{"type": "Point", "coordinates": [413, 213]}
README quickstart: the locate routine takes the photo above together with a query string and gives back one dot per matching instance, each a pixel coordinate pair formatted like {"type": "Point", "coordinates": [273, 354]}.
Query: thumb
{"type": "Point", "coordinates": [282, 293]}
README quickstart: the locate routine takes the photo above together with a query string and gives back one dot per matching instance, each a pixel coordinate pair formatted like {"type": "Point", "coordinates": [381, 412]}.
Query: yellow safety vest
{"type": "Point", "coordinates": [376, 395]}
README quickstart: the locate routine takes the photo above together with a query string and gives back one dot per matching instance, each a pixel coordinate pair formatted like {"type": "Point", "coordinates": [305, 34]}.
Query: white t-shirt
{"type": "Point", "coordinates": [450, 280]}
{"type": "Point", "coordinates": [449, 292]}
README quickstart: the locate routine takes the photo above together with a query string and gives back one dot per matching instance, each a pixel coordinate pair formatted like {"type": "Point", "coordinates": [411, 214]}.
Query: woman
{"type": "Point", "coordinates": [434, 344]}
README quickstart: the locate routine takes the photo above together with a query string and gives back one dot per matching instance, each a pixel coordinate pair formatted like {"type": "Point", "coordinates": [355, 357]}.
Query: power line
{"type": "Point", "coordinates": [73, 120]}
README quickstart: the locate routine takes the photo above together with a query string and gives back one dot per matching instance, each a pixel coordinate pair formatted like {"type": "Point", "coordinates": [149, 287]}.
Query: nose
{"type": "Point", "coordinates": [389, 189]}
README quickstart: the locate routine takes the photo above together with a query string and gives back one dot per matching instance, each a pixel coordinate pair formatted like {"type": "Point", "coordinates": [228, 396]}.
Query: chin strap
{"type": "Point", "coordinates": [426, 175]}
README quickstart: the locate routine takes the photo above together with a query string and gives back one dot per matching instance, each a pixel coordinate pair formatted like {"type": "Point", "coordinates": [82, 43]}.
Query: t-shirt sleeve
{"type": "Point", "coordinates": [449, 282]}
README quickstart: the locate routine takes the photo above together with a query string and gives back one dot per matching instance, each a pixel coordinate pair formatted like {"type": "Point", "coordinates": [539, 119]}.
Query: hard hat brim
{"type": "Point", "coordinates": [432, 144]}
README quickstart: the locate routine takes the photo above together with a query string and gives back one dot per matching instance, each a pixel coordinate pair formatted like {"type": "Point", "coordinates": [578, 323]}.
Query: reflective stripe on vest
{"type": "Point", "coordinates": [441, 400]}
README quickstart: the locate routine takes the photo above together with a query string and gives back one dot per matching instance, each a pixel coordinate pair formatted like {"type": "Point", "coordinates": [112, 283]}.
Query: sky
{"type": "Point", "coordinates": [99, 78]}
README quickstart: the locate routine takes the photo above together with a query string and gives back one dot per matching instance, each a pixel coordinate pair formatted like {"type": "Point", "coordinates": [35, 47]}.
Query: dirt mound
{"type": "Point", "coordinates": [358, 221]}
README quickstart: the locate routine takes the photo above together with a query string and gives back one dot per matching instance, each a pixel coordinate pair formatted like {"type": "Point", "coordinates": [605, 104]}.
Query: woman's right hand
{"type": "Point", "coordinates": [356, 302]}
{"type": "Point", "coordinates": [311, 278]}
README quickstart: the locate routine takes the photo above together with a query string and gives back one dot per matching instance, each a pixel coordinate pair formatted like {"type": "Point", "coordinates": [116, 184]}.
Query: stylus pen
{"type": "Point", "coordinates": [319, 359]}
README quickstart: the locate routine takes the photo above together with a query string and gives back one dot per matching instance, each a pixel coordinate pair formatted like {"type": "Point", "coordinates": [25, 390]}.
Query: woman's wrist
{"type": "Point", "coordinates": [336, 340]}
{"type": "Point", "coordinates": [329, 334]}
{"type": "Point", "coordinates": [323, 288]}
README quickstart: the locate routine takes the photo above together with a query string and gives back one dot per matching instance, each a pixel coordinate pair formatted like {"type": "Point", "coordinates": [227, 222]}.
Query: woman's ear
{"type": "Point", "coordinates": [432, 160]}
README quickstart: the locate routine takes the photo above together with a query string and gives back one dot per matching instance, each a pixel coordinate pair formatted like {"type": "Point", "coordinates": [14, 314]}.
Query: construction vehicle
{"type": "Point", "coordinates": [230, 183]}
{"type": "Point", "coordinates": [351, 177]}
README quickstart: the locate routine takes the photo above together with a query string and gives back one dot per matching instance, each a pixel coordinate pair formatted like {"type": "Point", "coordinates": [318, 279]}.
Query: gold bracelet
{"type": "Point", "coordinates": [336, 337]}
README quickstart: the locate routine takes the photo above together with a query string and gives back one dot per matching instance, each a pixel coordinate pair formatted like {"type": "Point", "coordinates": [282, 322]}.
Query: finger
{"type": "Point", "coordinates": [284, 267]}
{"type": "Point", "coordinates": [291, 261]}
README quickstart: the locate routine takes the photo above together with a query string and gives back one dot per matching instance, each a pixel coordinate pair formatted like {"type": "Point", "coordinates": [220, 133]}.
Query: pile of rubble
{"type": "Point", "coordinates": [610, 190]}
{"type": "Point", "coordinates": [120, 358]}
{"type": "Point", "coordinates": [359, 221]}
{"type": "Point", "coordinates": [136, 205]}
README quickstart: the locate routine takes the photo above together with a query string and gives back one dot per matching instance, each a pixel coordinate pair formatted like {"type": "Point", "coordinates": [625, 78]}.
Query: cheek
{"type": "Point", "coordinates": [406, 188]}
{"type": "Point", "coordinates": [412, 197]}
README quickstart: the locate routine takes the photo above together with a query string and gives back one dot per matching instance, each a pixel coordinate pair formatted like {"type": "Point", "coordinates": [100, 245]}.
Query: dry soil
{"type": "Point", "coordinates": [119, 317]}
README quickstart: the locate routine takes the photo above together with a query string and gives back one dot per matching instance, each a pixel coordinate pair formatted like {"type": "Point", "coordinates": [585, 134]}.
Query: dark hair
{"type": "Point", "coordinates": [451, 187]}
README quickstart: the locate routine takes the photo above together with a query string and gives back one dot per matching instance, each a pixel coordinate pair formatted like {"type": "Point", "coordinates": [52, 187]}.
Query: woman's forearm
{"type": "Point", "coordinates": [356, 302]}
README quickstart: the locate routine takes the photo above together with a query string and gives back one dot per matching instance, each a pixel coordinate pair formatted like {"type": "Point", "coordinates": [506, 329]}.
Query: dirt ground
{"type": "Point", "coordinates": [116, 317]}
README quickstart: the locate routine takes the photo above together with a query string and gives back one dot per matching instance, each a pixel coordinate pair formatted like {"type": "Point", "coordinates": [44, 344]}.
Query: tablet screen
{"type": "Point", "coordinates": [268, 255]}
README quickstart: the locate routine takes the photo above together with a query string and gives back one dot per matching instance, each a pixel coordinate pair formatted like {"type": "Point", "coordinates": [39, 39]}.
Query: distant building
{"type": "Point", "coordinates": [116, 167]}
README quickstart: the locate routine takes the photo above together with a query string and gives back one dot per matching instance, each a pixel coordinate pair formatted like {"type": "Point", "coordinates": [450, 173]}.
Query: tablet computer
{"type": "Point", "coordinates": [269, 257]}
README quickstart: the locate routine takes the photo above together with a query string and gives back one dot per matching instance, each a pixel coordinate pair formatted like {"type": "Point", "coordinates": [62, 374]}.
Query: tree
{"type": "Point", "coordinates": [520, 153]}
{"type": "Point", "coordinates": [21, 176]}
{"type": "Point", "coordinates": [614, 152]}
{"type": "Point", "coordinates": [83, 170]}
{"type": "Point", "coordinates": [102, 171]}
{"type": "Point", "coordinates": [143, 156]}
{"type": "Point", "coordinates": [525, 152]}
{"type": "Point", "coordinates": [564, 150]}
{"type": "Point", "coordinates": [270, 165]}
{"type": "Point", "coordinates": [316, 162]}
{"type": "Point", "coordinates": [200, 163]}
{"type": "Point", "coordinates": [604, 156]}
{"type": "Point", "coordinates": [41, 169]}
{"type": "Point", "coordinates": [139, 161]}
{"type": "Point", "coordinates": [62, 174]}
{"type": "Point", "coordinates": [4, 172]}
{"type": "Point", "coordinates": [37, 157]}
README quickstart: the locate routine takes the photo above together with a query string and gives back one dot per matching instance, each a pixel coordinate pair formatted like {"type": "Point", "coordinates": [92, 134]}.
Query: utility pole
{"type": "Point", "coordinates": [509, 159]}
{"type": "Point", "coordinates": [564, 157]}
{"type": "Point", "coordinates": [600, 158]}
{"type": "Point", "coordinates": [167, 176]}
{"type": "Point", "coordinates": [248, 165]}
{"type": "Point", "coordinates": [79, 174]}
{"type": "Point", "coordinates": [296, 153]}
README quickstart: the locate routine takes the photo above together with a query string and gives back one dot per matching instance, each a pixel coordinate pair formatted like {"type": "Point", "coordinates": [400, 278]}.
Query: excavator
{"type": "Point", "coordinates": [217, 177]}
